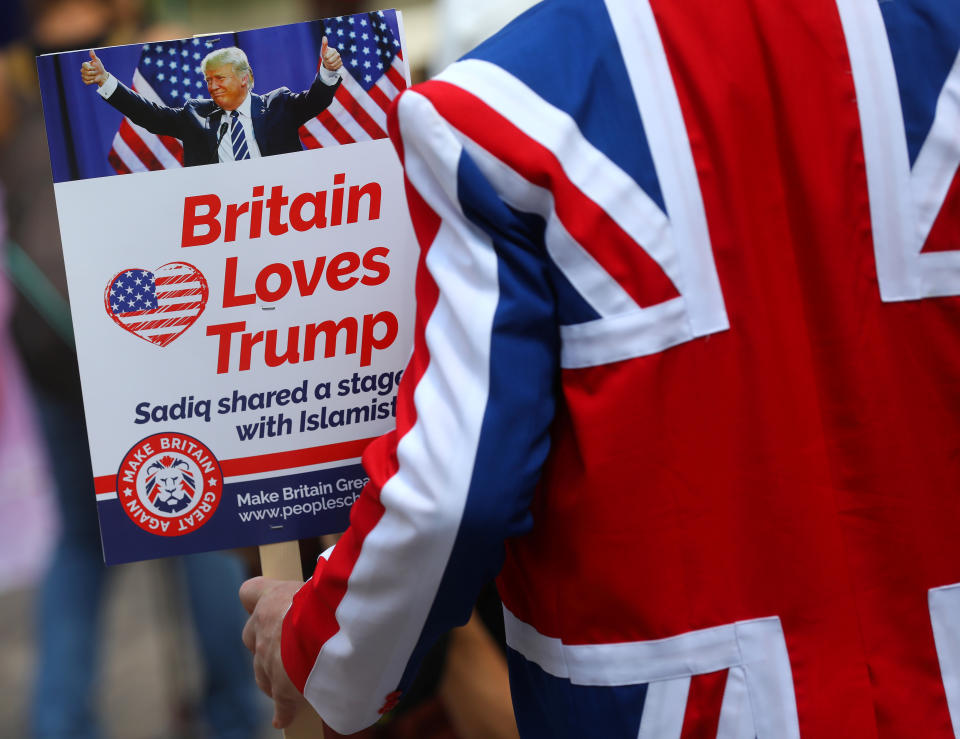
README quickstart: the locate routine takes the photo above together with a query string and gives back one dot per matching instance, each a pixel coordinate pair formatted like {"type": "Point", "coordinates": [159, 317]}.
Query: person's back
{"type": "Point", "coordinates": [724, 240]}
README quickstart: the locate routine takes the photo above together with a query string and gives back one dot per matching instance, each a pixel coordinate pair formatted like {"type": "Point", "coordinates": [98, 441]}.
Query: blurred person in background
{"type": "Point", "coordinates": [27, 515]}
{"type": "Point", "coordinates": [463, 24]}
{"type": "Point", "coordinates": [70, 599]}
{"type": "Point", "coordinates": [26, 510]}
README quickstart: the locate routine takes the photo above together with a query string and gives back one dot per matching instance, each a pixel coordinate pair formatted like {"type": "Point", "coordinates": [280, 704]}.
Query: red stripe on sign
{"type": "Point", "coordinates": [361, 116]}
{"type": "Point", "coordinates": [703, 705]}
{"type": "Point", "coordinates": [105, 484]}
{"type": "Point", "coordinates": [132, 139]}
{"type": "Point", "coordinates": [308, 139]}
{"type": "Point", "coordinates": [379, 97]}
{"type": "Point", "coordinates": [945, 233]}
{"type": "Point", "coordinates": [164, 339]}
{"type": "Point", "coordinates": [333, 126]}
{"type": "Point", "coordinates": [633, 268]}
{"type": "Point", "coordinates": [177, 279]}
{"type": "Point", "coordinates": [173, 146]}
{"type": "Point", "coordinates": [295, 458]}
{"type": "Point", "coordinates": [165, 323]}
{"type": "Point", "coordinates": [396, 78]}
{"type": "Point", "coordinates": [117, 163]}
{"type": "Point", "coordinates": [164, 309]}
{"type": "Point", "coordinates": [269, 462]}
{"type": "Point", "coordinates": [167, 294]}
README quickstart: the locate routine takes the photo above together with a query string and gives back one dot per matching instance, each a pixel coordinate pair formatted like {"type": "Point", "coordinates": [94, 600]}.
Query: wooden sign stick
{"type": "Point", "coordinates": [281, 561]}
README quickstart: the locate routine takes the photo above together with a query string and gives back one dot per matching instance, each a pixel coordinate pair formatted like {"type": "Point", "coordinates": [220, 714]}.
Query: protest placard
{"type": "Point", "coordinates": [241, 324]}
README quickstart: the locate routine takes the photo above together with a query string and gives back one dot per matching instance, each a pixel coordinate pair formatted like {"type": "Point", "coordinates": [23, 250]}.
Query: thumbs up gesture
{"type": "Point", "coordinates": [330, 56]}
{"type": "Point", "coordinates": [93, 71]}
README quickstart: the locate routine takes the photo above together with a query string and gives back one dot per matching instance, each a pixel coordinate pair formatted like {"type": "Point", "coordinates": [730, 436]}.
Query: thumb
{"type": "Point", "coordinates": [323, 47]}
{"type": "Point", "coordinates": [93, 56]}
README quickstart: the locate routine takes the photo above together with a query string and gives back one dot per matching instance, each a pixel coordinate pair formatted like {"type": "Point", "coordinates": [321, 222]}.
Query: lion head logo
{"type": "Point", "coordinates": [170, 485]}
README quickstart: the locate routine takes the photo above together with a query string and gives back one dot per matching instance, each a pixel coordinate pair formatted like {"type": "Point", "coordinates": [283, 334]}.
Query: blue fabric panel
{"type": "Point", "coordinates": [588, 711]}
{"type": "Point", "coordinates": [571, 305]}
{"type": "Point", "coordinates": [924, 40]}
{"type": "Point", "coordinates": [523, 381]}
{"type": "Point", "coordinates": [586, 78]}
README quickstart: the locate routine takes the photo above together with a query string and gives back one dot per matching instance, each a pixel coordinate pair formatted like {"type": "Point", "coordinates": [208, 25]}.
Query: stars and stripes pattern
{"type": "Point", "coordinates": [157, 306]}
{"type": "Point", "coordinates": [167, 74]}
{"type": "Point", "coordinates": [374, 73]}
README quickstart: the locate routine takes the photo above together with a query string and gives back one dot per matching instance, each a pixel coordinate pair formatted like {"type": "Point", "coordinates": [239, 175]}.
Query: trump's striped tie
{"type": "Point", "coordinates": [238, 138]}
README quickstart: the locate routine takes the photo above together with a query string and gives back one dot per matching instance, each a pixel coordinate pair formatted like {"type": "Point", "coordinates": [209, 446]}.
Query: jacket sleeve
{"type": "Point", "coordinates": [456, 477]}
{"type": "Point", "coordinates": [157, 119]}
{"type": "Point", "coordinates": [312, 102]}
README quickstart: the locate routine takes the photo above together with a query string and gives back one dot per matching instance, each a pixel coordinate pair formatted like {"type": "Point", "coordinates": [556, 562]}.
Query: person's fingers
{"type": "Point", "coordinates": [284, 711]}
{"type": "Point", "coordinates": [332, 60]}
{"type": "Point", "coordinates": [262, 679]}
{"type": "Point", "coordinates": [251, 591]}
{"type": "Point", "coordinates": [249, 636]}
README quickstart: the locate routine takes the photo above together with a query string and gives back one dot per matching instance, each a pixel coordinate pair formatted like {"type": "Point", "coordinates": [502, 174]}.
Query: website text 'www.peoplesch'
{"type": "Point", "coordinates": [289, 502]}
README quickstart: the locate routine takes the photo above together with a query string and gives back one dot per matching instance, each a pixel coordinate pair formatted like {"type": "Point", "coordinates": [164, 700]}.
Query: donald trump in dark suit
{"type": "Point", "coordinates": [234, 123]}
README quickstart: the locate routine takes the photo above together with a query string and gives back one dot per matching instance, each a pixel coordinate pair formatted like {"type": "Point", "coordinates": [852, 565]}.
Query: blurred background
{"type": "Point", "coordinates": [152, 650]}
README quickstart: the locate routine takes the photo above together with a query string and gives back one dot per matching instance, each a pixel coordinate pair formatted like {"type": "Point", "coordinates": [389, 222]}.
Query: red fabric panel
{"type": "Point", "coordinates": [945, 233]}
{"type": "Point", "coordinates": [703, 705]}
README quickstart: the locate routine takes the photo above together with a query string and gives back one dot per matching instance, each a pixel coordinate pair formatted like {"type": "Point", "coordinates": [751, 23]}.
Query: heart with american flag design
{"type": "Point", "coordinates": [157, 306]}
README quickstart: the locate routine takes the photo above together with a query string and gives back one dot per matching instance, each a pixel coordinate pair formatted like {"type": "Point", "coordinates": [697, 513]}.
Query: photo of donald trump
{"type": "Point", "coordinates": [234, 123]}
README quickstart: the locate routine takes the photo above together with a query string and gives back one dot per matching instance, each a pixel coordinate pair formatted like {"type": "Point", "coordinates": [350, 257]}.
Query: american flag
{"type": "Point", "coordinates": [157, 306]}
{"type": "Point", "coordinates": [168, 74]}
{"type": "Point", "coordinates": [374, 73]}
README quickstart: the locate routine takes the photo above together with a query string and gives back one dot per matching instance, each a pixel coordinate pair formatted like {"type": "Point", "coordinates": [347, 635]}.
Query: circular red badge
{"type": "Point", "coordinates": [169, 484]}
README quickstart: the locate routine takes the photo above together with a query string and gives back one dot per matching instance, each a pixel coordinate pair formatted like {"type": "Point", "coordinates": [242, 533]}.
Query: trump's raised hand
{"type": "Point", "coordinates": [330, 56]}
{"type": "Point", "coordinates": [267, 601]}
{"type": "Point", "coordinates": [93, 71]}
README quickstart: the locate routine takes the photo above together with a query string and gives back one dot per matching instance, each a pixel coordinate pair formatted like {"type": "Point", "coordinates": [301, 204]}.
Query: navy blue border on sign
{"type": "Point", "coordinates": [327, 511]}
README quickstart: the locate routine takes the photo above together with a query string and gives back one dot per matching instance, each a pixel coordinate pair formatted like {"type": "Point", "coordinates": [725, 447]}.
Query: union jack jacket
{"type": "Point", "coordinates": [686, 378]}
